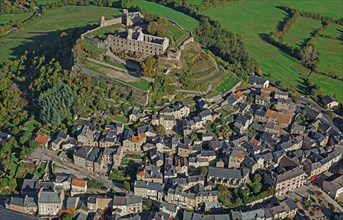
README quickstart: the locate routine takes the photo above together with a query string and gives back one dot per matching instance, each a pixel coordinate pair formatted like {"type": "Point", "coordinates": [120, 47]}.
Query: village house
{"type": "Point", "coordinates": [330, 102]}
{"type": "Point", "coordinates": [42, 139]}
{"type": "Point", "coordinates": [258, 82]}
{"type": "Point", "coordinates": [25, 205]}
{"type": "Point", "coordinates": [286, 209]}
{"type": "Point", "coordinates": [78, 186]}
{"type": "Point", "coordinates": [150, 173]}
{"type": "Point", "coordinates": [132, 143]}
{"type": "Point", "coordinates": [62, 181]}
{"type": "Point", "coordinates": [56, 144]}
{"type": "Point", "coordinates": [287, 176]}
{"type": "Point", "coordinates": [333, 185]}
{"type": "Point", "coordinates": [87, 136]}
{"type": "Point", "coordinates": [50, 203]}
{"type": "Point", "coordinates": [123, 206]}
{"type": "Point", "coordinates": [178, 111]}
{"type": "Point", "coordinates": [316, 164]}
{"type": "Point", "coordinates": [149, 190]}
{"type": "Point", "coordinates": [227, 177]}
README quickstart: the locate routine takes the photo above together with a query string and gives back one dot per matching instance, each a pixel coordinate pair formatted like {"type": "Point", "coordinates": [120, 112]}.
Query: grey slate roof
{"type": "Point", "coordinates": [48, 197]}
{"type": "Point", "coordinates": [227, 173]}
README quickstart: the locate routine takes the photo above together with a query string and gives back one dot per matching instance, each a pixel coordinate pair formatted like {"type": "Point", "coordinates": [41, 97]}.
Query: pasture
{"type": "Point", "coordinates": [48, 30]}
{"type": "Point", "coordinates": [251, 19]}
{"type": "Point", "coordinates": [9, 18]}
{"type": "Point", "coordinates": [182, 19]}
{"type": "Point", "coordinates": [301, 30]}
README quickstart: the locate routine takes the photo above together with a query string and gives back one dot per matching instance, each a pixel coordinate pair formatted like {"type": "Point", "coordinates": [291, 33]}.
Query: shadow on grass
{"type": "Point", "coordinates": [56, 44]}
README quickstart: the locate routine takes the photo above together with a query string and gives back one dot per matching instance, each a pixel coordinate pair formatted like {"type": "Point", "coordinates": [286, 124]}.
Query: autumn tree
{"type": "Point", "coordinates": [149, 67]}
{"type": "Point", "coordinates": [310, 58]}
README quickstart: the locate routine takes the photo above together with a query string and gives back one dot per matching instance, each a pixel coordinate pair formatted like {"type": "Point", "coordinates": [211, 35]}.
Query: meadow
{"type": "Point", "coordinates": [301, 30]}
{"type": "Point", "coordinates": [183, 20]}
{"type": "Point", "coordinates": [251, 20]}
{"type": "Point", "coordinates": [48, 30]}
{"type": "Point", "coordinates": [9, 18]}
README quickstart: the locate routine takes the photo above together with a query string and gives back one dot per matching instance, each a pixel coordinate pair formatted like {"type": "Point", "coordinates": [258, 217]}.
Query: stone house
{"type": "Point", "coordinates": [62, 181]}
{"type": "Point", "coordinates": [87, 136]}
{"type": "Point", "coordinates": [178, 111]}
{"type": "Point", "coordinates": [227, 177]}
{"type": "Point", "coordinates": [123, 206]}
{"type": "Point", "coordinates": [286, 209]}
{"type": "Point", "coordinates": [287, 176]}
{"type": "Point", "coordinates": [334, 186]}
{"type": "Point", "coordinates": [42, 139]}
{"type": "Point", "coordinates": [25, 205]}
{"type": "Point", "coordinates": [132, 143]}
{"type": "Point", "coordinates": [149, 190]}
{"type": "Point", "coordinates": [316, 164]}
{"type": "Point", "coordinates": [150, 173]}
{"type": "Point", "coordinates": [330, 102]}
{"type": "Point", "coordinates": [78, 186]}
{"type": "Point", "coordinates": [236, 157]}
{"type": "Point", "coordinates": [50, 203]}
{"type": "Point", "coordinates": [258, 82]}
{"type": "Point", "coordinates": [168, 122]}
{"type": "Point", "coordinates": [58, 141]}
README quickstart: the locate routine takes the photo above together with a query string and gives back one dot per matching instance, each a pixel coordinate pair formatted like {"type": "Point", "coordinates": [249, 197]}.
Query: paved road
{"type": "Point", "coordinates": [327, 198]}
{"type": "Point", "coordinates": [45, 154]}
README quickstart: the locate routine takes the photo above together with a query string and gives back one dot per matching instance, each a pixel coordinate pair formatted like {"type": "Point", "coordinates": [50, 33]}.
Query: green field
{"type": "Point", "coordinates": [8, 18]}
{"type": "Point", "coordinates": [250, 19]}
{"type": "Point", "coordinates": [175, 35]}
{"type": "Point", "coordinates": [226, 85]}
{"type": "Point", "coordinates": [301, 30]}
{"type": "Point", "coordinates": [47, 30]}
{"type": "Point", "coordinates": [183, 20]}
{"type": "Point", "coordinates": [104, 30]}
{"type": "Point", "coordinates": [334, 30]}
{"type": "Point", "coordinates": [329, 85]}
{"type": "Point", "coordinates": [331, 55]}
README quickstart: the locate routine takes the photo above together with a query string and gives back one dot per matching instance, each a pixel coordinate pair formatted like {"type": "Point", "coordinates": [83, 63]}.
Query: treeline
{"type": "Point", "coordinates": [313, 15]}
{"type": "Point", "coordinates": [208, 4]}
{"type": "Point", "coordinates": [17, 6]}
{"type": "Point", "coordinates": [101, 3]}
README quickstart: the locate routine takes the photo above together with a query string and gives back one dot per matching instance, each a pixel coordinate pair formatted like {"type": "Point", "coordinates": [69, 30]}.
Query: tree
{"type": "Point", "coordinates": [257, 178]}
{"type": "Point", "coordinates": [160, 130]}
{"type": "Point", "coordinates": [55, 104]}
{"type": "Point", "coordinates": [310, 58]}
{"type": "Point", "coordinates": [126, 185]}
{"type": "Point", "coordinates": [149, 67]}
{"type": "Point", "coordinates": [204, 171]}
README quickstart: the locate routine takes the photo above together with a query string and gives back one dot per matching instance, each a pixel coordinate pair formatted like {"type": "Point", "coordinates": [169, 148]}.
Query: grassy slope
{"type": "Point", "coordinates": [334, 30]}
{"type": "Point", "coordinates": [301, 30]}
{"type": "Point", "coordinates": [47, 29]}
{"type": "Point", "coordinates": [251, 19]}
{"type": "Point", "coordinates": [331, 52]}
{"type": "Point", "coordinates": [6, 18]}
{"type": "Point", "coordinates": [185, 21]}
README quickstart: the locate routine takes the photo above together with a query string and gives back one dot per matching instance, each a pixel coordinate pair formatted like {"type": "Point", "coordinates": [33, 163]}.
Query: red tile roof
{"type": "Point", "coordinates": [42, 139]}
